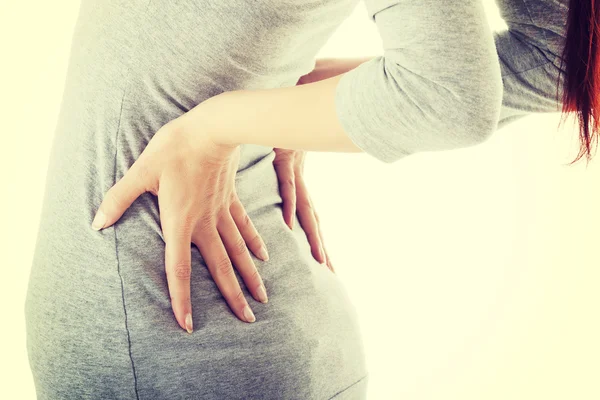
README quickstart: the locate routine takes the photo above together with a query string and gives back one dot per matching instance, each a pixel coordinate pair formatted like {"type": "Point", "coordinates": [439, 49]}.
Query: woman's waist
{"type": "Point", "coordinates": [132, 254]}
{"type": "Point", "coordinates": [65, 231]}
{"type": "Point", "coordinates": [308, 304]}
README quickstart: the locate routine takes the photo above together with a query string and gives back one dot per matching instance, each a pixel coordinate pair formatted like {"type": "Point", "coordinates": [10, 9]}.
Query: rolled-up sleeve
{"type": "Point", "coordinates": [530, 55]}
{"type": "Point", "coordinates": [437, 85]}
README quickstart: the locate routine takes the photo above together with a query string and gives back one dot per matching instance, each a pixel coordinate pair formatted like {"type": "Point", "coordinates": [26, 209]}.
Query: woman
{"type": "Point", "coordinates": [103, 306]}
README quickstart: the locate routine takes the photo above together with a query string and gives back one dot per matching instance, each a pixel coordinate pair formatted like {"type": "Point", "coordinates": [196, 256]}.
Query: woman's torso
{"type": "Point", "coordinates": [98, 312]}
{"type": "Point", "coordinates": [99, 320]}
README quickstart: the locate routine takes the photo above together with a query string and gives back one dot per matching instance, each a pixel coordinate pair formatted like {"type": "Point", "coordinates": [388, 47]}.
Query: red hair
{"type": "Point", "coordinates": [581, 84]}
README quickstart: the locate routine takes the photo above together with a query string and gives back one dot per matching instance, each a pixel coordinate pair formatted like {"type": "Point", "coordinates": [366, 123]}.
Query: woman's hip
{"type": "Point", "coordinates": [98, 306]}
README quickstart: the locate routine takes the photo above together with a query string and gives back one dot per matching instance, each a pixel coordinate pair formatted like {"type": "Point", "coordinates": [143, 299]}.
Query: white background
{"type": "Point", "coordinates": [475, 272]}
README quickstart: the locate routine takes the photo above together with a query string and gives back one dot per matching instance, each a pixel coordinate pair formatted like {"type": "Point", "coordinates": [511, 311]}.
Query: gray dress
{"type": "Point", "coordinates": [98, 314]}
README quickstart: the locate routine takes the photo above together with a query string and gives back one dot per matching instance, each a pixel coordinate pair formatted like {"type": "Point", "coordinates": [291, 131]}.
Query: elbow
{"type": "Point", "coordinates": [482, 102]}
{"type": "Point", "coordinates": [391, 111]}
{"type": "Point", "coordinates": [450, 110]}
{"type": "Point", "coordinates": [475, 116]}
{"type": "Point", "coordinates": [478, 93]}
{"type": "Point", "coordinates": [480, 118]}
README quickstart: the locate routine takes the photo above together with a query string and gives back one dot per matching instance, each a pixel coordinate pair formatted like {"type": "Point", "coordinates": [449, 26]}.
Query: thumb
{"type": "Point", "coordinates": [120, 197]}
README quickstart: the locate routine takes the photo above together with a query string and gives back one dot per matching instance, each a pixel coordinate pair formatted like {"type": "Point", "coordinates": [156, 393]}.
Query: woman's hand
{"type": "Point", "coordinates": [289, 165]}
{"type": "Point", "coordinates": [194, 179]}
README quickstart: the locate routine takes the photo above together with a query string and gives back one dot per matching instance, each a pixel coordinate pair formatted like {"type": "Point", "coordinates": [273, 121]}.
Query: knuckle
{"type": "Point", "coordinates": [224, 267]}
{"type": "Point", "coordinates": [256, 241]}
{"type": "Point", "coordinates": [239, 297]}
{"type": "Point", "coordinates": [181, 299]}
{"type": "Point", "coordinates": [240, 246]}
{"type": "Point", "coordinates": [206, 222]}
{"type": "Point", "coordinates": [182, 271]}
{"type": "Point", "coordinates": [255, 276]}
{"type": "Point", "coordinates": [187, 222]}
{"type": "Point", "coordinates": [180, 233]}
{"type": "Point", "coordinates": [234, 202]}
{"type": "Point", "coordinates": [289, 182]}
{"type": "Point", "coordinates": [246, 220]}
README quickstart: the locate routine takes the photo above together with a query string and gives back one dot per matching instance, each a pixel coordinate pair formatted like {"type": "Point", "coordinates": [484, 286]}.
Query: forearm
{"type": "Point", "coordinates": [299, 117]}
{"type": "Point", "coordinates": [413, 98]}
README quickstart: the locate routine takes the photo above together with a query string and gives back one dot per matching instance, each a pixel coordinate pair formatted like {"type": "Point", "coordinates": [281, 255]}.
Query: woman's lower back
{"type": "Point", "coordinates": [98, 313]}
{"type": "Point", "coordinates": [100, 322]}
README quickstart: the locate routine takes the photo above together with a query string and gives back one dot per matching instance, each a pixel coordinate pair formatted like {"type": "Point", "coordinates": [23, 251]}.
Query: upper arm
{"type": "Point", "coordinates": [436, 87]}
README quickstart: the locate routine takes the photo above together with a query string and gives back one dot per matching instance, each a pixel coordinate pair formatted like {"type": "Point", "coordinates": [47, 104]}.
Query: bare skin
{"type": "Point", "coordinates": [289, 166]}
{"type": "Point", "coordinates": [193, 175]}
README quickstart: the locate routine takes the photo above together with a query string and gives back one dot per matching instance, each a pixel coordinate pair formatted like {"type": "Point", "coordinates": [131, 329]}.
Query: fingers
{"type": "Point", "coordinates": [289, 165]}
{"type": "Point", "coordinates": [329, 264]}
{"type": "Point", "coordinates": [239, 255]}
{"type": "Point", "coordinates": [177, 222]}
{"type": "Point", "coordinates": [179, 271]}
{"type": "Point", "coordinates": [246, 228]}
{"type": "Point", "coordinates": [308, 221]}
{"type": "Point", "coordinates": [121, 195]}
{"type": "Point", "coordinates": [284, 166]}
{"type": "Point", "coordinates": [219, 265]}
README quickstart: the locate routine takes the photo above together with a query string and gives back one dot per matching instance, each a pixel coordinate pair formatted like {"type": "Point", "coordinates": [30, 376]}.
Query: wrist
{"type": "Point", "coordinates": [210, 117]}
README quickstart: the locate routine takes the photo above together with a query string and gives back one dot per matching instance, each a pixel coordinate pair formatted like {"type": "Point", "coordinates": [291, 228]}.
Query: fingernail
{"type": "Point", "coordinates": [292, 223]}
{"type": "Point", "coordinates": [262, 294]}
{"type": "Point", "coordinates": [248, 314]}
{"type": "Point", "coordinates": [322, 254]}
{"type": "Point", "coordinates": [189, 326]}
{"type": "Point", "coordinates": [262, 253]}
{"type": "Point", "coordinates": [99, 220]}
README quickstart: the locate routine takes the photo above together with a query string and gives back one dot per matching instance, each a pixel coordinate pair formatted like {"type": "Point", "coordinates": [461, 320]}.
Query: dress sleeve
{"type": "Point", "coordinates": [530, 54]}
{"type": "Point", "coordinates": [437, 85]}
